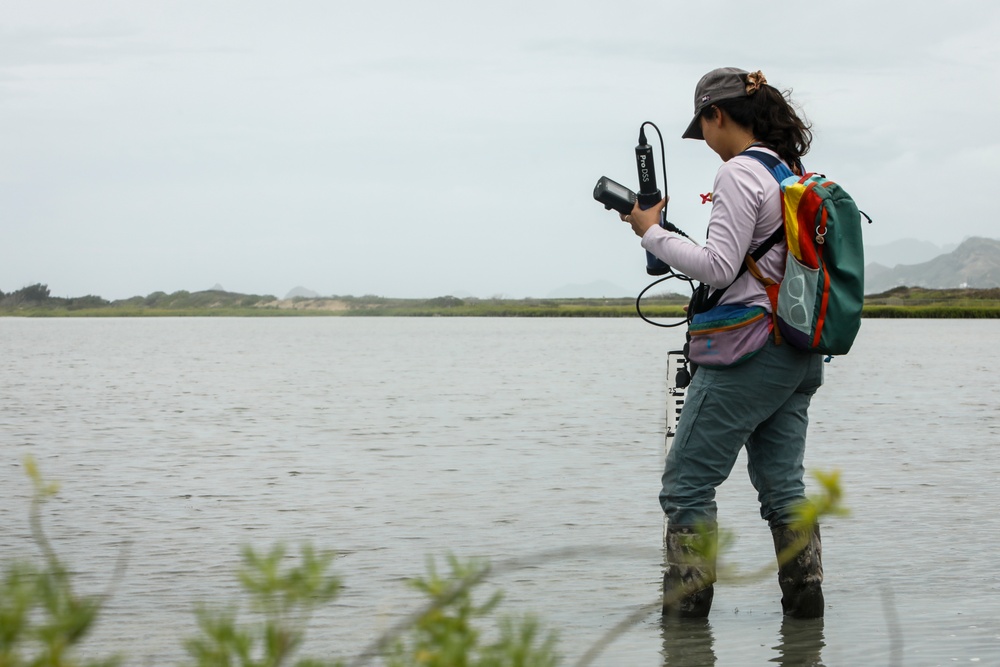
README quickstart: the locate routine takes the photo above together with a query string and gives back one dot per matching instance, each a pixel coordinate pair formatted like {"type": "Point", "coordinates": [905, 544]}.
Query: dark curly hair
{"type": "Point", "coordinates": [769, 114]}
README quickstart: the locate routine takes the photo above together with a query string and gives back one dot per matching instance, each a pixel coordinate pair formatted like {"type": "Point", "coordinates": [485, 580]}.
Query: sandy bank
{"type": "Point", "coordinates": [306, 304]}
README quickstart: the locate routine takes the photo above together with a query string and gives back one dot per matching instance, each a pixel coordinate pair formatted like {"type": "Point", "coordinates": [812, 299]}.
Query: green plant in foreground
{"type": "Point", "coordinates": [42, 620]}
{"type": "Point", "coordinates": [443, 635]}
{"type": "Point", "coordinates": [284, 598]}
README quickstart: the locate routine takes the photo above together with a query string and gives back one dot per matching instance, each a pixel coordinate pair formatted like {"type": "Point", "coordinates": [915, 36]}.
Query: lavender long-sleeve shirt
{"type": "Point", "coordinates": [746, 209]}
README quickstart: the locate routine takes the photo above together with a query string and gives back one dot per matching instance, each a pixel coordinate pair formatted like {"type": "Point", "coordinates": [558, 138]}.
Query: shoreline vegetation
{"type": "Point", "coordinates": [36, 301]}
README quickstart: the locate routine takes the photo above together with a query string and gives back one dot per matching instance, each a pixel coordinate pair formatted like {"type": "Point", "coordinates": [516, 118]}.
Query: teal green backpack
{"type": "Point", "coordinates": [817, 304]}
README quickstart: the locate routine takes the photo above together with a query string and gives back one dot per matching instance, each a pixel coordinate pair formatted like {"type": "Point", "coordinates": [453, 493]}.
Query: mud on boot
{"type": "Point", "coordinates": [689, 571]}
{"type": "Point", "coordinates": [800, 571]}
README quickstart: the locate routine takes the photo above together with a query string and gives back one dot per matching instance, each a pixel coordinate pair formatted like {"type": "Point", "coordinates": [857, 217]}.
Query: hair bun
{"type": "Point", "coordinates": [754, 81]}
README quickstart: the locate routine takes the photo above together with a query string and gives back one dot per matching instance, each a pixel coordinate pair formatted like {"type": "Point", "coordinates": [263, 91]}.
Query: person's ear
{"type": "Point", "coordinates": [717, 119]}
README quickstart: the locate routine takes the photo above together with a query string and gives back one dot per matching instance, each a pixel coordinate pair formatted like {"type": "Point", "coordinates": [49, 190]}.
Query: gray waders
{"type": "Point", "coordinates": [689, 571]}
{"type": "Point", "coordinates": [800, 571]}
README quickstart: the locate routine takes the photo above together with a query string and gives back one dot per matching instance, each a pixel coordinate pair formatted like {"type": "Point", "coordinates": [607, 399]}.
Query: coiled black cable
{"type": "Point", "coordinates": [669, 227]}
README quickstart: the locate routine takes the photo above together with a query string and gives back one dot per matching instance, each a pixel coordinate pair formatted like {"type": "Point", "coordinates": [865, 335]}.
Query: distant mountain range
{"type": "Point", "coordinates": [905, 251]}
{"type": "Point", "coordinates": [974, 263]}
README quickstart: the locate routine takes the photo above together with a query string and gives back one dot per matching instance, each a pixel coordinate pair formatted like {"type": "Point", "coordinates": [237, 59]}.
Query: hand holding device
{"type": "Point", "coordinates": [616, 196]}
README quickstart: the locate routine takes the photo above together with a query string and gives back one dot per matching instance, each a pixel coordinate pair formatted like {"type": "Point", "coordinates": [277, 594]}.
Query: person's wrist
{"type": "Point", "coordinates": [646, 230]}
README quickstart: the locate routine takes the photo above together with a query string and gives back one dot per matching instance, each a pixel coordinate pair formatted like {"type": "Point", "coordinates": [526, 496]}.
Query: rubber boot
{"type": "Point", "coordinates": [801, 577]}
{"type": "Point", "coordinates": [689, 571]}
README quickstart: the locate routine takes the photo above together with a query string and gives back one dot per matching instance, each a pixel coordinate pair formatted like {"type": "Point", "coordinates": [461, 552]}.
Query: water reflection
{"type": "Point", "coordinates": [687, 642]}
{"type": "Point", "coordinates": [801, 643]}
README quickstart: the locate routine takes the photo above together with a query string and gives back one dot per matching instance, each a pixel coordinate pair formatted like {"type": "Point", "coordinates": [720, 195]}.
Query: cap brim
{"type": "Point", "coordinates": [693, 130]}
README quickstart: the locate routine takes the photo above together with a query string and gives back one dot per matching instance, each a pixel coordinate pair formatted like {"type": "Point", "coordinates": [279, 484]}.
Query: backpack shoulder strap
{"type": "Point", "coordinates": [771, 287]}
{"type": "Point", "coordinates": [780, 171]}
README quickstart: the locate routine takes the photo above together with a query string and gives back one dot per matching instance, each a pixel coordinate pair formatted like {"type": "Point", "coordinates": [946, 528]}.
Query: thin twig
{"type": "Point", "coordinates": [617, 631]}
{"type": "Point", "coordinates": [378, 646]}
{"type": "Point", "coordinates": [895, 631]}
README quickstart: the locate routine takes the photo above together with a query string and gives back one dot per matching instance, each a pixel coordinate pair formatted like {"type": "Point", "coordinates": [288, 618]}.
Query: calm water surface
{"type": "Point", "coordinates": [177, 441]}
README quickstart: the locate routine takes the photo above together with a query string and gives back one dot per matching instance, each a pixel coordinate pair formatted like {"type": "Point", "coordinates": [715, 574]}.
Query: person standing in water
{"type": "Point", "coordinates": [761, 404]}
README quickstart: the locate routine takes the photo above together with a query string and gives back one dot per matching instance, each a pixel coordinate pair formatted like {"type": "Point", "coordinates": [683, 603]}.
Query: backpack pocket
{"type": "Point", "coordinates": [797, 303]}
{"type": "Point", "coordinates": [727, 335]}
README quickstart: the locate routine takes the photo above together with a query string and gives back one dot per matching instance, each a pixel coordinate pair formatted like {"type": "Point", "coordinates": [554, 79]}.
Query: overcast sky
{"type": "Point", "coordinates": [418, 149]}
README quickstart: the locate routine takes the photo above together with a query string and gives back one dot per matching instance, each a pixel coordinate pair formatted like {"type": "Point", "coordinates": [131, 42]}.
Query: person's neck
{"type": "Point", "coordinates": [736, 144]}
{"type": "Point", "coordinates": [740, 143]}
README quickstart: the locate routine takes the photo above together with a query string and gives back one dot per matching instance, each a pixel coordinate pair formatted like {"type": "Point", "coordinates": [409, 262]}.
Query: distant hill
{"type": "Point", "coordinates": [974, 263]}
{"type": "Point", "coordinates": [905, 251]}
{"type": "Point", "coordinates": [300, 291]}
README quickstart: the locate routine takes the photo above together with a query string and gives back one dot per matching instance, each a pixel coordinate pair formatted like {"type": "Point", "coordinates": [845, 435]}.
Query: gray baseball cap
{"type": "Point", "coordinates": [724, 83]}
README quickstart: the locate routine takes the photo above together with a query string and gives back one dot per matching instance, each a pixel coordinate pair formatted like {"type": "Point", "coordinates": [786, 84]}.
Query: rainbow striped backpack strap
{"type": "Point", "coordinates": [817, 304]}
